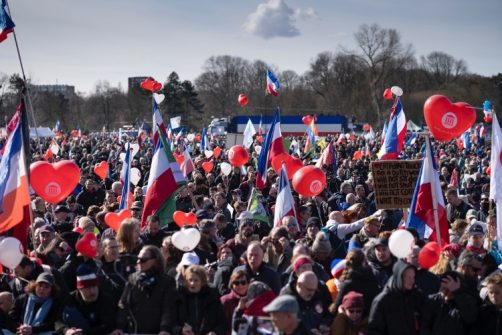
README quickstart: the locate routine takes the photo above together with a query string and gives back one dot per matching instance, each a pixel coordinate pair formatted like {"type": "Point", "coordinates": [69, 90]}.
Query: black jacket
{"type": "Point", "coordinates": [453, 317]}
{"type": "Point", "coordinates": [489, 320]}
{"type": "Point", "coordinates": [222, 275]}
{"type": "Point", "coordinates": [148, 308]}
{"type": "Point", "coordinates": [265, 274]}
{"type": "Point", "coordinates": [95, 318]}
{"type": "Point", "coordinates": [363, 281]}
{"type": "Point", "coordinates": [16, 315]}
{"type": "Point", "coordinates": [396, 311]}
{"type": "Point", "coordinates": [203, 311]}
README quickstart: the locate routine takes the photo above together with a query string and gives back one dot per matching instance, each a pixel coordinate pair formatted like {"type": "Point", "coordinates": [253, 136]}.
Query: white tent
{"type": "Point", "coordinates": [42, 132]}
{"type": "Point", "coordinates": [413, 127]}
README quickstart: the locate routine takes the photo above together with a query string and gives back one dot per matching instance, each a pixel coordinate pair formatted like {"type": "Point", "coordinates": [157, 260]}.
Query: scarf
{"type": "Point", "coordinates": [146, 281]}
{"type": "Point", "coordinates": [35, 319]}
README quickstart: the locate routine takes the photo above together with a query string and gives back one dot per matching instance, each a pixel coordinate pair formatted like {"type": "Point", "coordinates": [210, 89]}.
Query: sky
{"type": "Point", "coordinates": [81, 42]}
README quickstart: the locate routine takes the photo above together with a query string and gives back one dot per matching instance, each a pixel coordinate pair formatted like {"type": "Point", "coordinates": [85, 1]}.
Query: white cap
{"type": "Point", "coordinates": [245, 215]}
{"type": "Point", "coordinates": [190, 258]}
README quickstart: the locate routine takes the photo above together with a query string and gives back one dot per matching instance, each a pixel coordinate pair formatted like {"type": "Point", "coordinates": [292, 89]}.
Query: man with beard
{"type": "Point", "coordinates": [89, 310]}
{"type": "Point", "coordinates": [245, 234]}
{"type": "Point", "coordinates": [484, 207]}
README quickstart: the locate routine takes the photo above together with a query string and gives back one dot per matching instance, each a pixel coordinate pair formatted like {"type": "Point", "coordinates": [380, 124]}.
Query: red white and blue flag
{"type": "Point", "coordinates": [6, 23]}
{"type": "Point", "coordinates": [158, 123]}
{"type": "Point", "coordinates": [421, 216]}
{"type": "Point", "coordinates": [142, 133]}
{"type": "Point", "coordinates": [14, 194]}
{"type": "Point", "coordinates": [285, 204]}
{"type": "Point", "coordinates": [395, 134]}
{"type": "Point", "coordinates": [273, 84]}
{"type": "Point", "coordinates": [272, 147]}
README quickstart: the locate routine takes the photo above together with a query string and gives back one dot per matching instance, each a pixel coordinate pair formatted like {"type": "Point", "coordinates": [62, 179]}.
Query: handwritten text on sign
{"type": "Point", "coordinates": [394, 182]}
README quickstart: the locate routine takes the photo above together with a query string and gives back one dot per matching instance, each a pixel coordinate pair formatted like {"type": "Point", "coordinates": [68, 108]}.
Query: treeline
{"type": "Point", "coordinates": [345, 82]}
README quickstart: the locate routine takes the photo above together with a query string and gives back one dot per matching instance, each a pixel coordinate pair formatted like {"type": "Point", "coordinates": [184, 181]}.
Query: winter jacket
{"type": "Point", "coordinates": [381, 272]}
{"type": "Point", "coordinates": [427, 282]}
{"type": "Point", "coordinates": [360, 280]}
{"type": "Point", "coordinates": [93, 318]}
{"type": "Point", "coordinates": [396, 311]}
{"type": "Point", "coordinates": [314, 312]}
{"type": "Point", "coordinates": [148, 306]}
{"type": "Point", "coordinates": [343, 326]}
{"type": "Point", "coordinates": [222, 275]}
{"type": "Point", "coordinates": [203, 311]}
{"type": "Point", "coordinates": [229, 302]}
{"type": "Point", "coordinates": [278, 262]}
{"type": "Point", "coordinates": [489, 320]}
{"type": "Point", "coordinates": [17, 285]}
{"type": "Point", "coordinates": [265, 274]}
{"type": "Point", "coordinates": [448, 317]}
{"type": "Point", "coordinates": [16, 315]}
{"type": "Point", "coordinates": [69, 269]}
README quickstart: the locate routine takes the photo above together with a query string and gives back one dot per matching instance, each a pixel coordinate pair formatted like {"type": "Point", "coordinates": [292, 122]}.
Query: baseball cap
{"type": "Point", "coordinates": [137, 205]}
{"type": "Point", "coordinates": [284, 303]}
{"type": "Point", "coordinates": [314, 221]}
{"type": "Point", "coordinates": [471, 213]}
{"type": "Point", "coordinates": [202, 214]}
{"type": "Point", "coordinates": [46, 229]}
{"type": "Point", "coordinates": [476, 229]}
{"type": "Point", "coordinates": [189, 258]}
{"type": "Point", "coordinates": [245, 215]}
{"type": "Point", "coordinates": [45, 277]}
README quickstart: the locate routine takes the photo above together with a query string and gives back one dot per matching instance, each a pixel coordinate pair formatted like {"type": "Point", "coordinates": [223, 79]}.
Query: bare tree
{"type": "Point", "coordinates": [443, 68]}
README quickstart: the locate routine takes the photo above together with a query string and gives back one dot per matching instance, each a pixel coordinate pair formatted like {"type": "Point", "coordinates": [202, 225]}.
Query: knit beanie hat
{"type": "Point", "coordinates": [353, 300]}
{"type": "Point", "coordinates": [321, 243]}
{"type": "Point", "coordinates": [300, 261]}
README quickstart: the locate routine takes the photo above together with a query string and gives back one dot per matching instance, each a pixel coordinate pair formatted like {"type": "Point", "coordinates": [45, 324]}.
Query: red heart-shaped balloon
{"type": "Point", "coordinates": [101, 169]}
{"type": "Point", "coordinates": [114, 220]}
{"type": "Point", "coordinates": [54, 182]}
{"type": "Point", "coordinates": [216, 152]}
{"type": "Point", "coordinates": [151, 85]}
{"type": "Point", "coordinates": [88, 245]}
{"type": "Point", "coordinates": [387, 94]}
{"type": "Point", "coordinates": [447, 120]}
{"type": "Point", "coordinates": [307, 119]}
{"type": "Point", "coordinates": [182, 218]}
{"type": "Point", "coordinates": [208, 166]}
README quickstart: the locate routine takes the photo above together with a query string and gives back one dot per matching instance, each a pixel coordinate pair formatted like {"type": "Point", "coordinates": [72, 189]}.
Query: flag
{"type": "Point", "coordinates": [384, 131]}
{"type": "Point", "coordinates": [454, 179]}
{"type": "Point", "coordinates": [158, 123]}
{"type": "Point", "coordinates": [272, 147]}
{"type": "Point", "coordinates": [57, 127]}
{"type": "Point", "coordinates": [255, 206]}
{"type": "Point", "coordinates": [285, 204]}
{"type": "Point", "coordinates": [466, 140]}
{"type": "Point", "coordinates": [187, 165]}
{"type": "Point", "coordinates": [125, 175]}
{"type": "Point", "coordinates": [14, 194]}
{"type": "Point", "coordinates": [175, 122]}
{"type": "Point", "coordinates": [327, 156]}
{"type": "Point", "coordinates": [273, 85]}
{"type": "Point", "coordinates": [164, 179]}
{"type": "Point", "coordinates": [142, 133]}
{"type": "Point", "coordinates": [54, 147]}
{"type": "Point", "coordinates": [204, 141]}
{"type": "Point", "coordinates": [249, 132]}
{"type": "Point", "coordinates": [311, 134]}
{"type": "Point", "coordinates": [496, 175]}
{"type": "Point", "coordinates": [6, 23]}
{"type": "Point", "coordinates": [421, 216]}
{"type": "Point", "coordinates": [261, 129]}
{"type": "Point", "coordinates": [395, 134]}
{"type": "Point", "coordinates": [411, 141]}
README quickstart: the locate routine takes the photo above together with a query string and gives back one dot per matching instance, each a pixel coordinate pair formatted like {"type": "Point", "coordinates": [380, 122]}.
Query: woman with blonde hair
{"type": "Point", "coordinates": [129, 247]}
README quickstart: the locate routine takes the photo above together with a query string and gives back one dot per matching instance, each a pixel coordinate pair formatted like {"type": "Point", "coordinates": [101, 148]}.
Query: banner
{"type": "Point", "coordinates": [394, 182]}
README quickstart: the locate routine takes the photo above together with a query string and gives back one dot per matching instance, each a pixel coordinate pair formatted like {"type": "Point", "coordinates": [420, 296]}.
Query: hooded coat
{"type": "Point", "coordinates": [396, 311]}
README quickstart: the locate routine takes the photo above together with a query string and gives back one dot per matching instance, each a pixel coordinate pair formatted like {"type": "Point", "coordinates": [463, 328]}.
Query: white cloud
{"type": "Point", "coordinates": [275, 18]}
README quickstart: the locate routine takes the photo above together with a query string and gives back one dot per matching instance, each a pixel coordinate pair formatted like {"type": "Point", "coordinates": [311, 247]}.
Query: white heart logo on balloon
{"type": "Point", "coordinates": [158, 98]}
{"type": "Point", "coordinates": [135, 176]}
{"type": "Point", "coordinates": [186, 239]}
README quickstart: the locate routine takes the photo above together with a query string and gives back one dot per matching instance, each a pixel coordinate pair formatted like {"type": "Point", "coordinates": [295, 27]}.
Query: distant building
{"type": "Point", "coordinates": [134, 82]}
{"type": "Point", "coordinates": [67, 91]}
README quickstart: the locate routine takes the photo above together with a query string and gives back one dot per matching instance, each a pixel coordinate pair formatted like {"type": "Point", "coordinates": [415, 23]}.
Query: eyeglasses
{"type": "Point", "coordinates": [355, 311]}
{"type": "Point", "coordinates": [143, 259]}
{"type": "Point", "coordinates": [240, 282]}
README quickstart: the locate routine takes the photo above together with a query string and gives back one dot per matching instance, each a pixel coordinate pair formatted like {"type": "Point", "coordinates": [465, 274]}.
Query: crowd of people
{"type": "Point", "coordinates": [326, 269]}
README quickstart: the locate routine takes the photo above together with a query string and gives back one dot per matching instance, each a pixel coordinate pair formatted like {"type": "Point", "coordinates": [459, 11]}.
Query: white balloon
{"type": "Point", "coordinates": [122, 156]}
{"type": "Point", "coordinates": [186, 239]}
{"type": "Point", "coordinates": [400, 243]}
{"type": "Point", "coordinates": [396, 90]}
{"type": "Point", "coordinates": [135, 149]}
{"type": "Point", "coordinates": [226, 168]}
{"type": "Point", "coordinates": [257, 149]}
{"type": "Point", "coordinates": [11, 252]}
{"type": "Point", "coordinates": [191, 137]}
{"type": "Point", "coordinates": [159, 98]}
{"type": "Point", "coordinates": [208, 153]}
{"type": "Point", "coordinates": [135, 176]}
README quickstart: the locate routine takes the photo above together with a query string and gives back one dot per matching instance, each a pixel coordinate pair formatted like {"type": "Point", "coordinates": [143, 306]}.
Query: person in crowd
{"type": "Point", "coordinates": [284, 313]}
{"type": "Point", "coordinates": [457, 230]}
{"type": "Point", "coordinates": [244, 236]}
{"type": "Point", "coordinates": [456, 207]}
{"type": "Point", "coordinates": [36, 311]}
{"type": "Point", "coordinates": [200, 310]}
{"type": "Point", "coordinates": [149, 302]}
{"type": "Point", "coordinates": [350, 319]}
{"type": "Point", "coordinates": [137, 210]}
{"type": "Point", "coordinates": [451, 310]}
{"type": "Point", "coordinates": [491, 241]}
{"type": "Point", "coordinates": [277, 248]}
{"type": "Point", "coordinates": [490, 314]}
{"type": "Point", "coordinates": [357, 276]}
{"type": "Point", "coordinates": [89, 309]}
{"type": "Point", "coordinates": [380, 260]}
{"type": "Point", "coordinates": [476, 240]}
{"type": "Point", "coordinates": [370, 229]}
{"type": "Point", "coordinates": [109, 257]}
{"type": "Point", "coordinates": [225, 230]}
{"type": "Point", "coordinates": [398, 308]}
{"type": "Point", "coordinates": [256, 269]}
{"type": "Point", "coordinates": [470, 267]}
{"type": "Point", "coordinates": [6, 302]}
{"type": "Point", "coordinates": [224, 268]}
{"type": "Point", "coordinates": [238, 285]}
{"type": "Point", "coordinates": [128, 238]}
{"type": "Point", "coordinates": [321, 251]}
{"type": "Point", "coordinates": [426, 281]}
{"type": "Point", "coordinates": [152, 234]}
{"type": "Point", "coordinates": [90, 195]}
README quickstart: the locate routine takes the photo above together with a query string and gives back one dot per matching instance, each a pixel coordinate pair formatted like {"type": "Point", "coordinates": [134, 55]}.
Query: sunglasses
{"type": "Point", "coordinates": [144, 259]}
{"type": "Point", "coordinates": [240, 282]}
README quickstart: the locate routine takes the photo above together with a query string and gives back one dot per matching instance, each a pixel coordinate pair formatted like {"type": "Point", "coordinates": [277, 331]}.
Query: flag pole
{"type": "Point", "coordinates": [28, 95]}
{"type": "Point", "coordinates": [433, 188]}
